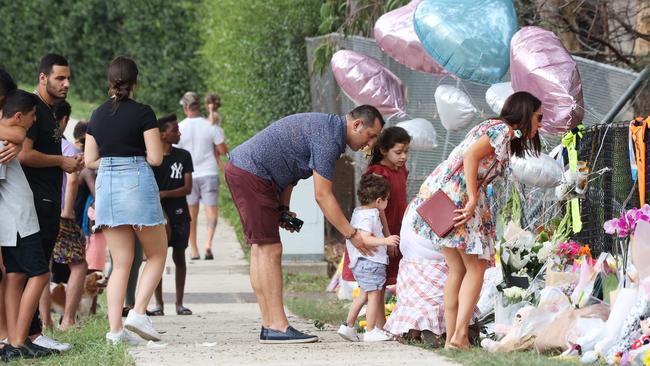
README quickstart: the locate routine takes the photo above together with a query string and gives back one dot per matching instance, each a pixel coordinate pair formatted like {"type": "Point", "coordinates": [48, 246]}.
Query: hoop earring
{"type": "Point", "coordinates": [518, 134]}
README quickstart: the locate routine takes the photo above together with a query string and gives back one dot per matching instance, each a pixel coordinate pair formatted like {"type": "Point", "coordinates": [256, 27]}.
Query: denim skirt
{"type": "Point", "coordinates": [126, 193]}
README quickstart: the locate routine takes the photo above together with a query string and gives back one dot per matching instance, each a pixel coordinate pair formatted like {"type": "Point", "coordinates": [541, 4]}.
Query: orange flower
{"type": "Point", "coordinates": [584, 250]}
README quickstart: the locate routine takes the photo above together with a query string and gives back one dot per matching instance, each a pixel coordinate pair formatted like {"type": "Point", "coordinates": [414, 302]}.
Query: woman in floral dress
{"type": "Point", "coordinates": [483, 156]}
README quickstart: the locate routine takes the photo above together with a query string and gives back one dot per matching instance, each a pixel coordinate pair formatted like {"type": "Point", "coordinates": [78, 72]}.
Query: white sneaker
{"type": "Point", "coordinates": [377, 335]}
{"type": "Point", "coordinates": [47, 342]}
{"type": "Point", "coordinates": [123, 336]}
{"type": "Point", "coordinates": [141, 325]}
{"type": "Point", "coordinates": [348, 333]}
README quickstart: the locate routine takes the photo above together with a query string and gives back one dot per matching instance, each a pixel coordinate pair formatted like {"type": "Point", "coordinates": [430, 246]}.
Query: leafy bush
{"type": "Point", "coordinates": [256, 56]}
{"type": "Point", "coordinates": [162, 37]}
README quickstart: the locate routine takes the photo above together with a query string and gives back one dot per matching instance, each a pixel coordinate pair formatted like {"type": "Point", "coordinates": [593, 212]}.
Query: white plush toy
{"type": "Point", "coordinates": [509, 342]}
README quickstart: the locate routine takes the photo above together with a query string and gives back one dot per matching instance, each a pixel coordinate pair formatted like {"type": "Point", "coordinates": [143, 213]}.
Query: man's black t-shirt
{"type": "Point", "coordinates": [46, 135]}
{"type": "Point", "coordinates": [170, 175]}
{"type": "Point", "coordinates": [118, 131]}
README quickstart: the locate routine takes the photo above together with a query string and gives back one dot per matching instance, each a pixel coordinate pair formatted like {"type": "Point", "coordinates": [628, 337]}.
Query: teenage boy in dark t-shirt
{"type": "Point", "coordinates": [44, 165]}
{"type": "Point", "coordinates": [174, 178]}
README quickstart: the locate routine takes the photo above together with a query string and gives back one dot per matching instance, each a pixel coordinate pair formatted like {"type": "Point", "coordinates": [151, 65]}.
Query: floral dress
{"type": "Point", "coordinates": [477, 236]}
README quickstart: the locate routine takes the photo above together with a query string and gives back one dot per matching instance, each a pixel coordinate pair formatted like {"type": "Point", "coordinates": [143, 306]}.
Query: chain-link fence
{"type": "Point", "coordinates": [602, 86]}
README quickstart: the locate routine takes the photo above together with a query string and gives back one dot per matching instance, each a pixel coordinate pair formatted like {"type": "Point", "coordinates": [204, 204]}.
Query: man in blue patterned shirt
{"type": "Point", "coordinates": [261, 175]}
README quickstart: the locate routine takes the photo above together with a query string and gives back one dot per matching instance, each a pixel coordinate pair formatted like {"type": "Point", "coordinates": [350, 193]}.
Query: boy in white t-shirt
{"type": "Point", "coordinates": [369, 270]}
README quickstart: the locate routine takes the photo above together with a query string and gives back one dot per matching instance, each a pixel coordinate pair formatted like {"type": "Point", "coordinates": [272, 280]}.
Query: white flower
{"type": "Point", "coordinates": [546, 251]}
{"type": "Point", "coordinates": [517, 261]}
{"type": "Point", "coordinates": [514, 293]}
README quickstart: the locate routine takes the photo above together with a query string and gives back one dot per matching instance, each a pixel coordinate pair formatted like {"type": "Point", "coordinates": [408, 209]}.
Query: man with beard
{"type": "Point", "coordinates": [43, 164]}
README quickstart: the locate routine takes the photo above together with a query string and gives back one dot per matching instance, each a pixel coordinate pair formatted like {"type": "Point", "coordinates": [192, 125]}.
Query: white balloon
{"type": "Point", "coordinates": [423, 134]}
{"type": "Point", "coordinates": [538, 171]}
{"type": "Point", "coordinates": [454, 107]}
{"type": "Point", "coordinates": [497, 94]}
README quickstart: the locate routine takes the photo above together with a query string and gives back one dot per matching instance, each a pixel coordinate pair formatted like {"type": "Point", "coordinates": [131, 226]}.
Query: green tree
{"type": "Point", "coordinates": [255, 56]}
{"type": "Point", "coordinates": [160, 35]}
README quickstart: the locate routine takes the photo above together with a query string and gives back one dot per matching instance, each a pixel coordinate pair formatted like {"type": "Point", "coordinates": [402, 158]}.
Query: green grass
{"type": "Point", "coordinates": [307, 298]}
{"type": "Point", "coordinates": [480, 357]}
{"type": "Point", "coordinates": [327, 311]}
{"type": "Point", "coordinates": [81, 109]}
{"type": "Point", "coordinates": [88, 345]}
{"type": "Point", "coordinates": [305, 282]}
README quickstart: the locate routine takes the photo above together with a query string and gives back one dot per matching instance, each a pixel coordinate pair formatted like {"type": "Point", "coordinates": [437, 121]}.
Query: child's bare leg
{"type": "Point", "coordinates": [381, 310]}
{"type": "Point", "coordinates": [28, 304]}
{"type": "Point", "coordinates": [45, 306]}
{"type": "Point", "coordinates": [3, 318]}
{"type": "Point", "coordinates": [372, 315]}
{"type": "Point", "coordinates": [14, 291]}
{"type": "Point", "coordinates": [355, 308]}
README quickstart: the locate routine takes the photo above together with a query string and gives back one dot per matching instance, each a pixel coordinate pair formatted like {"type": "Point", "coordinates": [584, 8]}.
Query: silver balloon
{"type": "Point", "coordinates": [454, 107]}
{"type": "Point", "coordinates": [538, 171]}
{"type": "Point", "coordinates": [423, 134]}
{"type": "Point", "coordinates": [497, 94]}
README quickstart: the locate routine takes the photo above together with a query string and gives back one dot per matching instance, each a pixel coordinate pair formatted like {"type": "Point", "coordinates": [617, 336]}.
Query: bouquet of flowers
{"type": "Point", "coordinates": [513, 295]}
{"type": "Point", "coordinates": [523, 254]}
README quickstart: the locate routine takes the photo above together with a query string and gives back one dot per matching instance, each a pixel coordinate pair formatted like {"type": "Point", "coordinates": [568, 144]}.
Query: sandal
{"type": "Point", "coordinates": [208, 255]}
{"type": "Point", "coordinates": [155, 312]}
{"type": "Point", "coordinates": [182, 310]}
{"type": "Point", "coordinates": [195, 258]}
{"type": "Point", "coordinates": [125, 311]}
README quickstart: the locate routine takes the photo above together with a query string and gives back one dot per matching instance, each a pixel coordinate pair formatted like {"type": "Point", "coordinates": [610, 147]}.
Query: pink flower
{"type": "Point", "coordinates": [626, 223]}
{"type": "Point", "coordinates": [610, 226]}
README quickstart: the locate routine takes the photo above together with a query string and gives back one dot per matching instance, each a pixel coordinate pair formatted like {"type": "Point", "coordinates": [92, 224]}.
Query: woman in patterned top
{"type": "Point", "coordinates": [483, 155]}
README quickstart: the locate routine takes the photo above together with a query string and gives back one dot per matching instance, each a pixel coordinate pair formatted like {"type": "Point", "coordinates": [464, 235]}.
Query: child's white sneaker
{"type": "Point", "coordinates": [141, 325]}
{"type": "Point", "coordinates": [123, 336]}
{"type": "Point", "coordinates": [377, 335]}
{"type": "Point", "coordinates": [348, 333]}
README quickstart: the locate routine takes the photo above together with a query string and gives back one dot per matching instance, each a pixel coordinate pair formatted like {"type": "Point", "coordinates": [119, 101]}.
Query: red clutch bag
{"type": "Point", "coordinates": [438, 212]}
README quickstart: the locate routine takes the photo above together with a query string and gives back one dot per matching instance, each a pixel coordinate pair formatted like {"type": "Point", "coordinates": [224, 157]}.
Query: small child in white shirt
{"type": "Point", "coordinates": [369, 270]}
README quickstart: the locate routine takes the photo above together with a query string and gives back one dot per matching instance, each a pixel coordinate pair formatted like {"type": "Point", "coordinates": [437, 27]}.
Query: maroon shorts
{"type": "Point", "coordinates": [257, 201]}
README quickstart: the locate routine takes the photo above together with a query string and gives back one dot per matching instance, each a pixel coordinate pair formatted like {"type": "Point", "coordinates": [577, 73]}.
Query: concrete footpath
{"type": "Point", "coordinates": [224, 329]}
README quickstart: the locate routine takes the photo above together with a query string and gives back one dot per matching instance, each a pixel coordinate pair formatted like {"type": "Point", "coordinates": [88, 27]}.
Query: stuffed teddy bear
{"type": "Point", "coordinates": [510, 342]}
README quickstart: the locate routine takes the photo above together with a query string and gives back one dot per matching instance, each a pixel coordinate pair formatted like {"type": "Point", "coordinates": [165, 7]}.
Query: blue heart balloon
{"type": "Point", "coordinates": [469, 38]}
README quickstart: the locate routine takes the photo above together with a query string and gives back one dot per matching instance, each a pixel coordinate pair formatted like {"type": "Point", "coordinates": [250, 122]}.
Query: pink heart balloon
{"type": "Point", "coordinates": [540, 65]}
{"type": "Point", "coordinates": [366, 81]}
{"type": "Point", "coordinates": [396, 36]}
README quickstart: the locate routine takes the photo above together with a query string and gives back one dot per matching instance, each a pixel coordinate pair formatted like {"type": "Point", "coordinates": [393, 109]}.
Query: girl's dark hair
{"type": "Point", "coordinates": [388, 138]}
{"type": "Point", "coordinates": [7, 84]}
{"type": "Point", "coordinates": [371, 187]}
{"type": "Point", "coordinates": [122, 78]}
{"type": "Point", "coordinates": [62, 109]}
{"type": "Point", "coordinates": [519, 109]}
{"type": "Point", "coordinates": [79, 132]}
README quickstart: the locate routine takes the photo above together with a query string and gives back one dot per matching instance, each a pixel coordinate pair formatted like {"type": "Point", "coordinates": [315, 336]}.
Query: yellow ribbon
{"type": "Point", "coordinates": [570, 141]}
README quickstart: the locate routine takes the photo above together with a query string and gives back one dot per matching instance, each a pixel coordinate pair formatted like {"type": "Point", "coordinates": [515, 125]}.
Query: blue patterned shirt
{"type": "Point", "coordinates": [291, 148]}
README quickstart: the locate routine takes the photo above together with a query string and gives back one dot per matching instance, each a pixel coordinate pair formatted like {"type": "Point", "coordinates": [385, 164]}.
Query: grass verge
{"type": "Point", "coordinates": [480, 357]}
{"type": "Point", "coordinates": [321, 311]}
{"type": "Point", "coordinates": [89, 345]}
{"type": "Point", "coordinates": [306, 297]}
